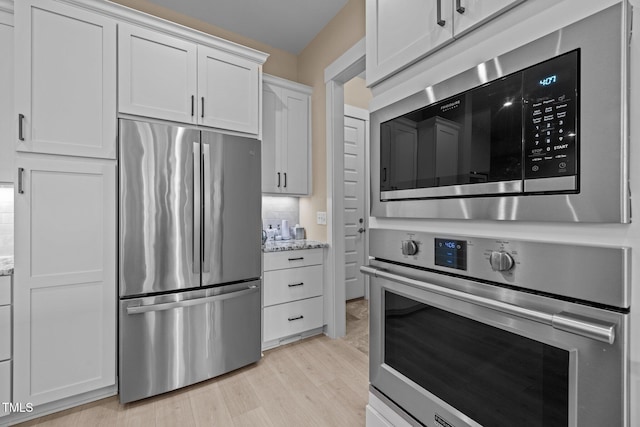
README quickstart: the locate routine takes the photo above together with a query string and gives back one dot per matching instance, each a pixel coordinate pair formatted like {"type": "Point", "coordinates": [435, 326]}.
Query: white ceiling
{"type": "Point", "coordinates": [284, 24]}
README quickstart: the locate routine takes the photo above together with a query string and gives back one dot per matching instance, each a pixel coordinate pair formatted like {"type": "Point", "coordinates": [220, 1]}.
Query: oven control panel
{"type": "Point", "coordinates": [541, 266]}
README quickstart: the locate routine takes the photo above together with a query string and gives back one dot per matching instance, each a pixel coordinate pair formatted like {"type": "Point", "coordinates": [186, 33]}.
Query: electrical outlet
{"type": "Point", "coordinates": [321, 218]}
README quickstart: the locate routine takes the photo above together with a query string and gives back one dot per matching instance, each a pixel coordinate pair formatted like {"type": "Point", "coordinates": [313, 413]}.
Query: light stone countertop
{"type": "Point", "coordinates": [6, 266]}
{"type": "Point", "coordinates": [292, 245]}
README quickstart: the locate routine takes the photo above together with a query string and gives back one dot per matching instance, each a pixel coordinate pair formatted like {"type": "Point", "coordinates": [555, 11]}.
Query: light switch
{"type": "Point", "coordinates": [321, 218]}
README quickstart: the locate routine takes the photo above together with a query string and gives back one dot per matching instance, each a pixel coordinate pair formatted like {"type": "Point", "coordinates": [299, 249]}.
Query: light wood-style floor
{"type": "Point", "coordinates": [314, 382]}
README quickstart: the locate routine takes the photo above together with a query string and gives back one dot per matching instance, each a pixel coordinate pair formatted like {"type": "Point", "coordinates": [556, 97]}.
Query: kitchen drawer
{"type": "Point", "coordinates": [5, 332]}
{"type": "Point", "coordinates": [292, 318]}
{"type": "Point", "coordinates": [292, 284]}
{"type": "Point", "coordinates": [288, 259]}
{"type": "Point", "coordinates": [5, 290]}
{"type": "Point", "coordinates": [5, 385]}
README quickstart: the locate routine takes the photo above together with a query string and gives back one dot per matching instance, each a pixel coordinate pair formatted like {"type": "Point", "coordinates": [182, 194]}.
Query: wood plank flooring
{"type": "Point", "coordinates": [314, 382]}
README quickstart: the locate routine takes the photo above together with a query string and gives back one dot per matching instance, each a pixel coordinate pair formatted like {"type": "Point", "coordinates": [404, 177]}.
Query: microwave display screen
{"type": "Point", "coordinates": [519, 127]}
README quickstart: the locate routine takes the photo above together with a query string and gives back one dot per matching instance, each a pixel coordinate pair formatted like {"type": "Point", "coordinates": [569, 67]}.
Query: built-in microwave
{"type": "Point", "coordinates": [537, 134]}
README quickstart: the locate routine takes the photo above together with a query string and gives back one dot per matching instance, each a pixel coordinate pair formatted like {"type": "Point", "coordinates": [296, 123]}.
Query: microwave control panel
{"type": "Point", "coordinates": [550, 117]}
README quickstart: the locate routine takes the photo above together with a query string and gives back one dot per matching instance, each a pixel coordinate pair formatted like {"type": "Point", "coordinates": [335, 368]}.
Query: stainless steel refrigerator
{"type": "Point", "coordinates": [189, 256]}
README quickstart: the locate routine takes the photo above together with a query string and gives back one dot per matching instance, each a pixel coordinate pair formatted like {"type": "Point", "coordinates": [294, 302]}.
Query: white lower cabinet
{"type": "Point", "coordinates": [5, 386]}
{"type": "Point", "coordinates": [292, 296]}
{"type": "Point", "coordinates": [65, 277]}
{"type": "Point", "coordinates": [5, 343]}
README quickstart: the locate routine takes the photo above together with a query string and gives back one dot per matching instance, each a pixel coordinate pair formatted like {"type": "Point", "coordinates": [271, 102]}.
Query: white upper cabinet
{"type": "Point", "coordinates": [65, 80]}
{"type": "Point", "coordinates": [401, 32]}
{"type": "Point", "coordinates": [286, 137]}
{"type": "Point", "coordinates": [229, 91]}
{"type": "Point", "coordinates": [7, 130]}
{"type": "Point", "coordinates": [156, 74]}
{"type": "Point", "coordinates": [470, 13]}
{"type": "Point", "coordinates": [171, 78]}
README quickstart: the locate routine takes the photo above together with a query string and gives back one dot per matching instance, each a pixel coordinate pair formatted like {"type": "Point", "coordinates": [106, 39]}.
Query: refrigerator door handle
{"type": "Point", "coordinates": [190, 302]}
{"type": "Point", "coordinates": [207, 200]}
{"type": "Point", "coordinates": [196, 207]}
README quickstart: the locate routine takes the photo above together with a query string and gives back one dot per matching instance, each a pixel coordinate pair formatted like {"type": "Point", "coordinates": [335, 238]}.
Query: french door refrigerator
{"type": "Point", "coordinates": [189, 256]}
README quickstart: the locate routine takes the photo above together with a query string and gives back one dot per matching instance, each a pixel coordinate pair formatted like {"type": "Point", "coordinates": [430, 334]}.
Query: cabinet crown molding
{"type": "Point", "coordinates": [132, 16]}
{"type": "Point", "coordinates": [288, 84]}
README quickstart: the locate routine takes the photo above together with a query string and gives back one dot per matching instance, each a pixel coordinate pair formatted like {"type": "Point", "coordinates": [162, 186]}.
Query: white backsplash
{"type": "Point", "coordinates": [6, 220]}
{"type": "Point", "coordinates": [275, 209]}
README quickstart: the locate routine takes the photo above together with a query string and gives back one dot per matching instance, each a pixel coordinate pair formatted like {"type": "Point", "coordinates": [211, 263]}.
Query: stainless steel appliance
{"type": "Point", "coordinates": [537, 134]}
{"type": "Point", "coordinates": [190, 258]}
{"type": "Point", "coordinates": [478, 331]}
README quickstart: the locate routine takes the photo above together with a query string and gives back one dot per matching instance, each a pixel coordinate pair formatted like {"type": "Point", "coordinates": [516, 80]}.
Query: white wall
{"type": "Point", "coordinates": [526, 23]}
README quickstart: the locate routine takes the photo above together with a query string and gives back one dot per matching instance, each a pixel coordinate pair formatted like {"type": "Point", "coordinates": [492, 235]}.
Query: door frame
{"type": "Point", "coordinates": [362, 114]}
{"type": "Point", "coordinates": [349, 65]}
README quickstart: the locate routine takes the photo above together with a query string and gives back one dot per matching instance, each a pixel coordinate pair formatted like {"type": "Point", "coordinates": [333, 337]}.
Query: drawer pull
{"type": "Point", "coordinates": [291, 319]}
{"type": "Point", "coordinates": [296, 259]}
{"type": "Point", "coordinates": [293, 285]}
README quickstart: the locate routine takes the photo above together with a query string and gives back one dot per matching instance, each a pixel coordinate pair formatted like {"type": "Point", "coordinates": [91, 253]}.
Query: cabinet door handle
{"type": "Point", "coordinates": [20, 180]}
{"type": "Point", "coordinates": [459, 8]}
{"type": "Point", "coordinates": [296, 259]}
{"type": "Point", "coordinates": [202, 112]}
{"type": "Point", "coordinates": [293, 285]}
{"type": "Point", "coordinates": [192, 105]}
{"type": "Point", "coordinates": [278, 179]}
{"type": "Point", "coordinates": [439, 19]}
{"type": "Point", "coordinates": [20, 123]}
{"type": "Point", "coordinates": [291, 319]}
{"type": "Point", "coordinates": [285, 180]}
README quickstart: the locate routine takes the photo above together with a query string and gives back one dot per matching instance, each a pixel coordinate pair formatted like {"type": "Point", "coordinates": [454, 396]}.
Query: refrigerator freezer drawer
{"type": "Point", "coordinates": [171, 341]}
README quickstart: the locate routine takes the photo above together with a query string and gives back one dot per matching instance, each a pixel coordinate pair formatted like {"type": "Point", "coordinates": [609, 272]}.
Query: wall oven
{"type": "Point", "coordinates": [478, 331]}
{"type": "Point", "coordinates": [536, 134]}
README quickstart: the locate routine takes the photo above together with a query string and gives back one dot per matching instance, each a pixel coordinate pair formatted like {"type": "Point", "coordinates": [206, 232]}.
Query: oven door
{"type": "Point", "coordinates": [494, 357]}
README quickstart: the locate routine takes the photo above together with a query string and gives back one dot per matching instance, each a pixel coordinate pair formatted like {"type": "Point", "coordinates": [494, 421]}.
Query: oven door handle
{"type": "Point", "coordinates": [573, 323]}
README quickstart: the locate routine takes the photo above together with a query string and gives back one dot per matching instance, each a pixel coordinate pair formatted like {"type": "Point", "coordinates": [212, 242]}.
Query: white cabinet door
{"type": "Point", "coordinates": [5, 386]}
{"type": "Point", "coordinates": [65, 80]}
{"type": "Point", "coordinates": [286, 137]}
{"type": "Point", "coordinates": [401, 31]}
{"type": "Point", "coordinates": [7, 129]}
{"type": "Point", "coordinates": [296, 126]}
{"type": "Point", "coordinates": [471, 13]}
{"type": "Point", "coordinates": [157, 75]}
{"type": "Point", "coordinates": [271, 129]}
{"type": "Point", "coordinates": [228, 91]}
{"type": "Point", "coordinates": [65, 277]}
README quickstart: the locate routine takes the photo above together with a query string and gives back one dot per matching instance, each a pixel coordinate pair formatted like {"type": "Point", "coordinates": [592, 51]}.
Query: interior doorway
{"type": "Point", "coordinates": [346, 67]}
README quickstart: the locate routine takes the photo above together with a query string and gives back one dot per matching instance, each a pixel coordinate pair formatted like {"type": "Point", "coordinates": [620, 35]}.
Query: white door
{"type": "Point", "coordinates": [65, 277]}
{"type": "Point", "coordinates": [354, 206]}
{"type": "Point", "coordinates": [65, 80]}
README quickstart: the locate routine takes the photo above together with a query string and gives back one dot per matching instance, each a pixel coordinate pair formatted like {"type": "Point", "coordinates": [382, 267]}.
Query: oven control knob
{"type": "Point", "coordinates": [501, 261]}
{"type": "Point", "coordinates": [409, 247]}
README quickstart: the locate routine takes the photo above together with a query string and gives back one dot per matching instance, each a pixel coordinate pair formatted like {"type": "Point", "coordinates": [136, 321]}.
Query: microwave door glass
{"type": "Point", "coordinates": [469, 139]}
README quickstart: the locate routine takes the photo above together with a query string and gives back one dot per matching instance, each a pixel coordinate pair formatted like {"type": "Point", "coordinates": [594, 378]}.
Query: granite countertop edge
{"type": "Point", "coordinates": [292, 245]}
{"type": "Point", "coordinates": [6, 266]}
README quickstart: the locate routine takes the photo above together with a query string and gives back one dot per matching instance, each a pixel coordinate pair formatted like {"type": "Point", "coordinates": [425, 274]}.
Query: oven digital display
{"type": "Point", "coordinates": [451, 253]}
